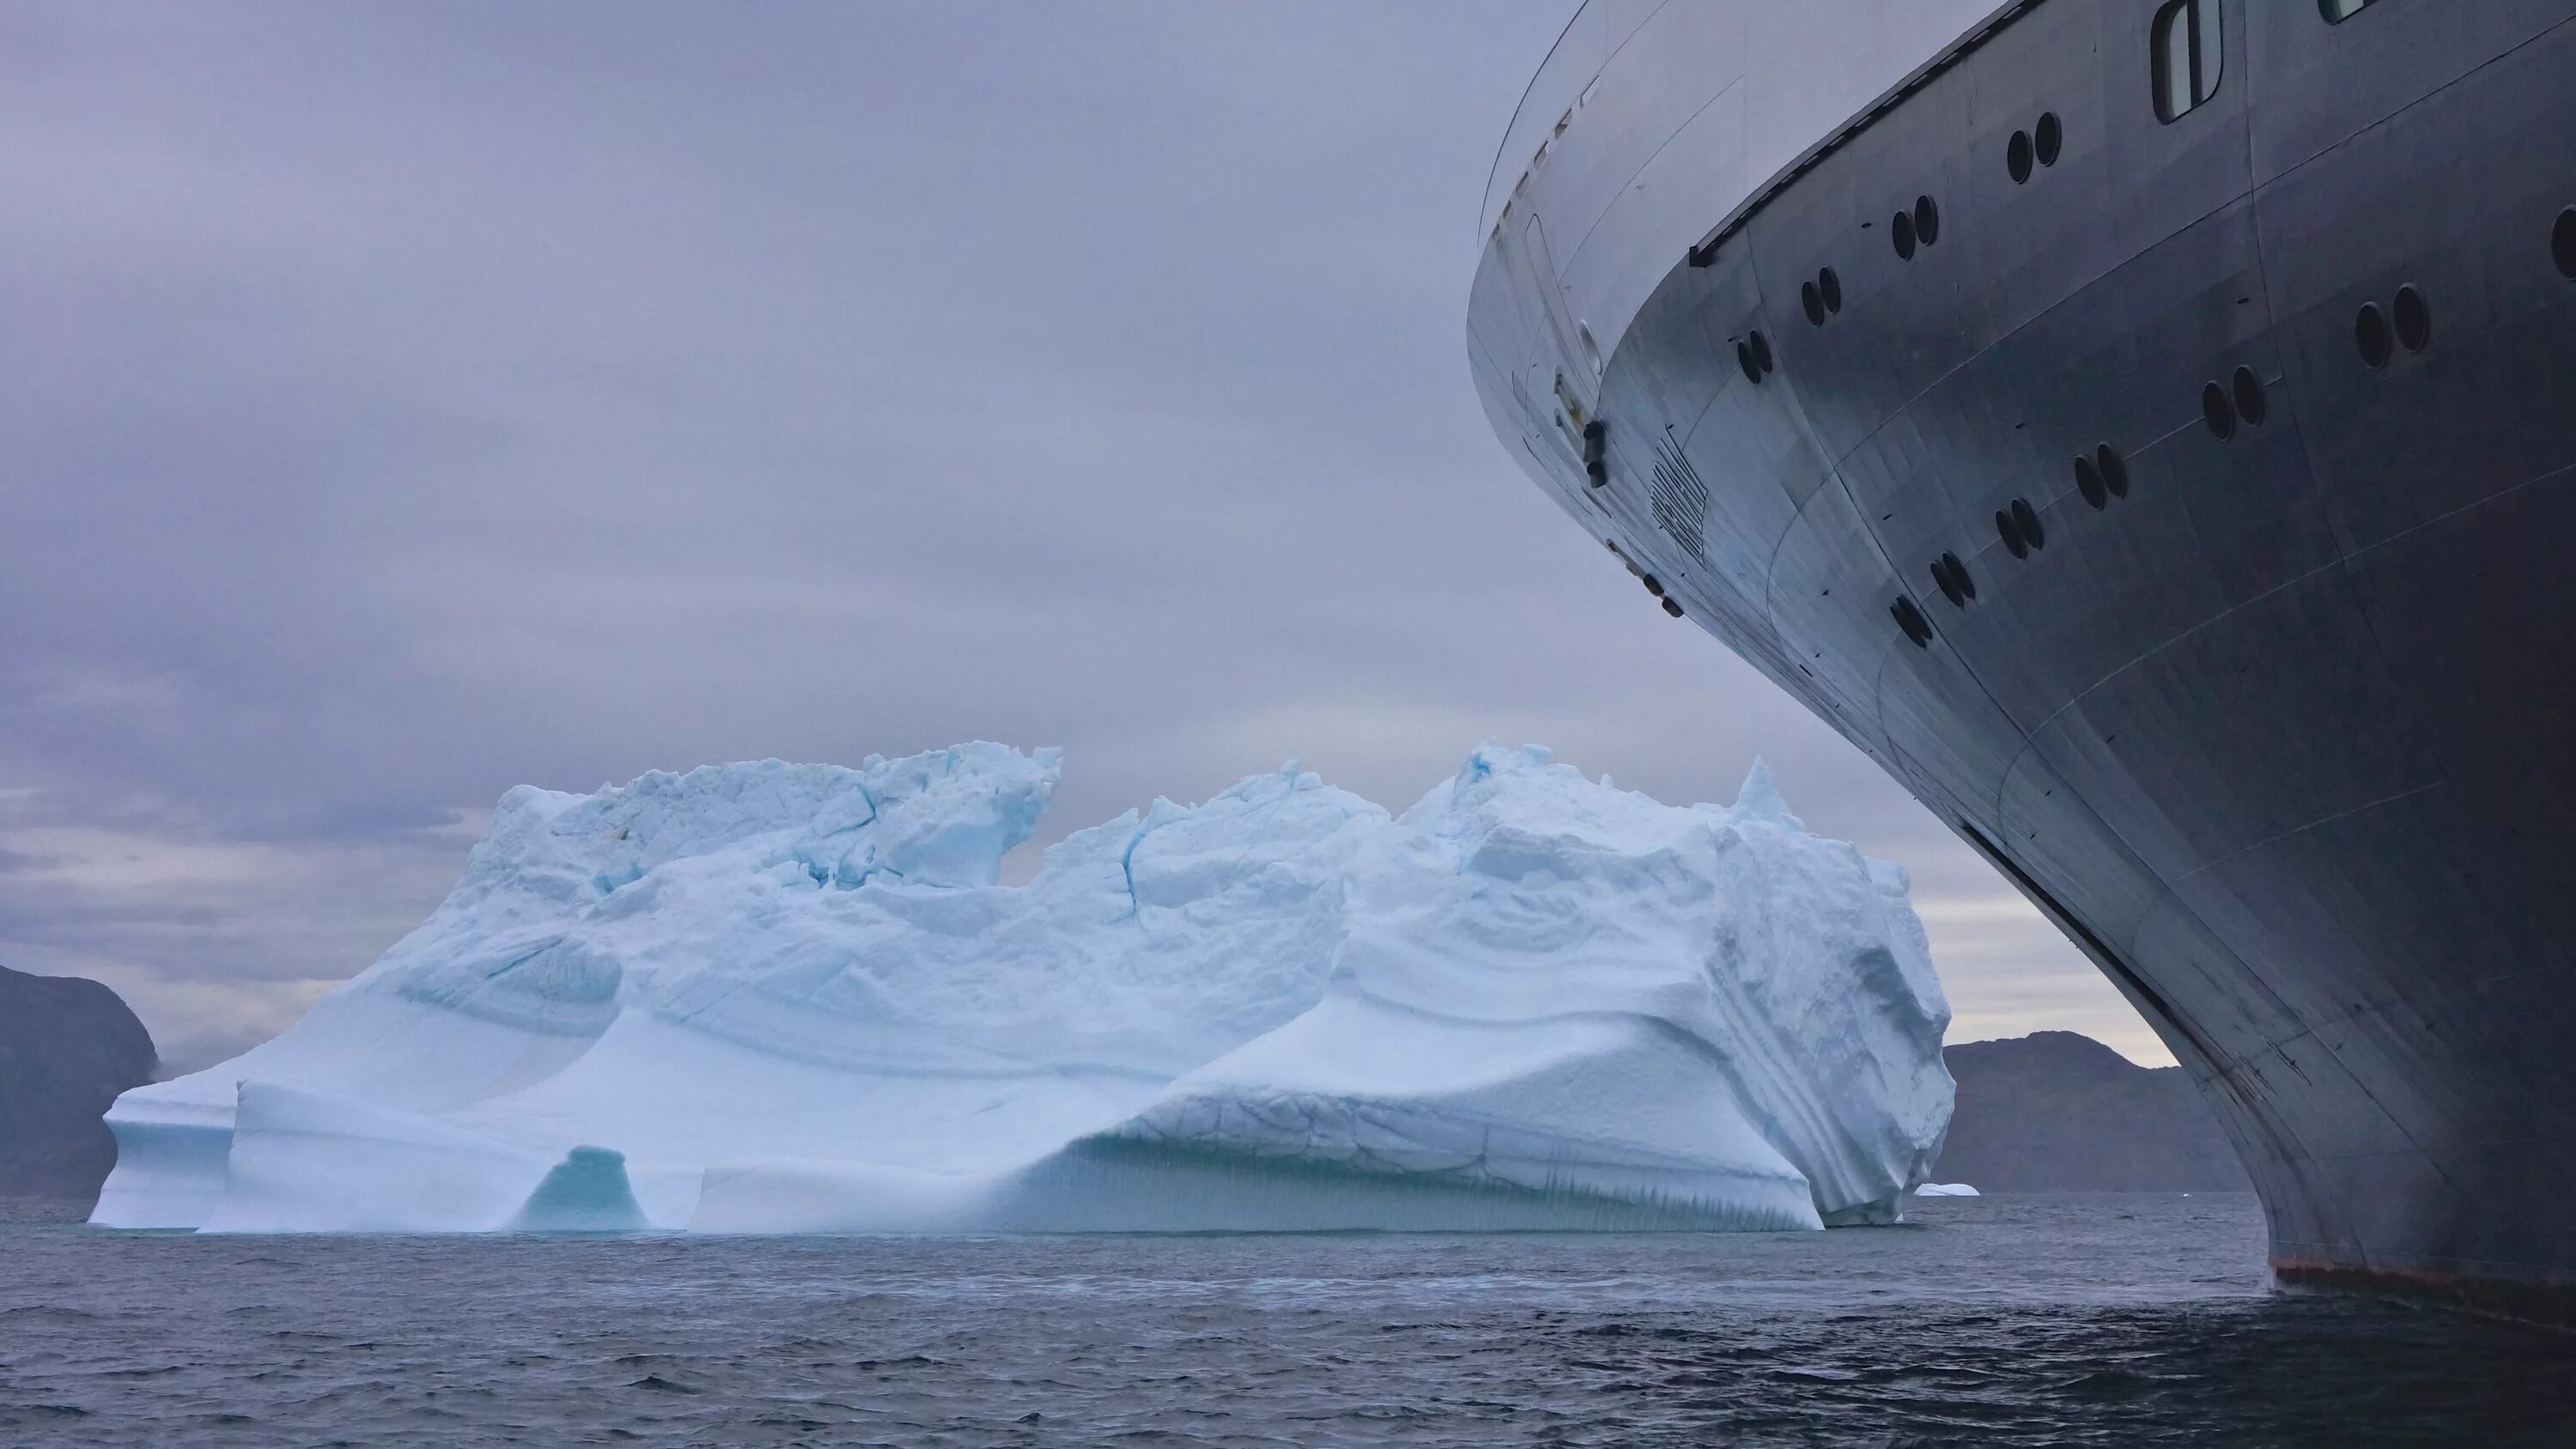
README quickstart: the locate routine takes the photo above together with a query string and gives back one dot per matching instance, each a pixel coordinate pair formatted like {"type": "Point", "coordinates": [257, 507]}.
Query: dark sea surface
{"type": "Point", "coordinates": [2110, 1320]}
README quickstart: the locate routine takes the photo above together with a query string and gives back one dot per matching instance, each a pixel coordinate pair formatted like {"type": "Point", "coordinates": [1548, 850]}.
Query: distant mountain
{"type": "Point", "coordinates": [67, 1047]}
{"type": "Point", "coordinates": [2058, 1112]}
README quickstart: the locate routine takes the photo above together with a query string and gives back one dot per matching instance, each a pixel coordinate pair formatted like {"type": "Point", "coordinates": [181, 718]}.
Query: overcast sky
{"type": "Point", "coordinates": [400, 402]}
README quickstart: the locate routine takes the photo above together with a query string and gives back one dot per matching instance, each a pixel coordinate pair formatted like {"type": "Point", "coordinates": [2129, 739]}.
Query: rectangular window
{"type": "Point", "coordinates": [2173, 61]}
{"type": "Point", "coordinates": [2188, 56]}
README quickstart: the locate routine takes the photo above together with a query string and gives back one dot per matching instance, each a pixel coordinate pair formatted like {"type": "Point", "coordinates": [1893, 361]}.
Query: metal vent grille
{"type": "Point", "coordinates": [1680, 499]}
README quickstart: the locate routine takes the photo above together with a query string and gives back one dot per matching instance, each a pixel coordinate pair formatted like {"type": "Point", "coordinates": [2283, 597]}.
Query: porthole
{"type": "Point", "coordinates": [1744, 359]}
{"type": "Point", "coordinates": [1901, 231]}
{"type": "Point", "coordinates": [2414, 320]}
{"type": "Point", "coordinates": [1910, 619]}
{"type": "Point", "coordinates": [2010, 533]}
{"type": "Point", "coordinates": [2049, 139]}
{"type": "Point", "coordinates": [2017, 157]}
{"type": "Point", "coordinates": [1952, 577]}
{"type": "Point", "coordinates": [1814, 302]}
{"type": "Point", "coordinates": [2370, 334]}
{"type": "Point", "coordinates": [1927, 220]}
{"type": "Point", "coordinates": [2562, 244]}
{"type": "Point", "coordinates": [2250, 403]}
{"type": "Point", "coordinates": [2088, 481]}
{"type": "Point", "coordinates": [1831, 287]}
{"type": "Point", "coordinates": [1672, 608]}
{"type": "Point", "coordinates": [2218, 411]}
{"type": "Point", "coordinates": [2115, 470]}
{"type": "Point", "coordinates": [2026, 518]}
{"type": "Point", "coordinates": [1762, 352]}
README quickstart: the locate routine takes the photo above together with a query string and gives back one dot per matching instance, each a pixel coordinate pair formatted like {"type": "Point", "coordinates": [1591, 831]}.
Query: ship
{"type": "Point", "coordinates": [2147, 429]}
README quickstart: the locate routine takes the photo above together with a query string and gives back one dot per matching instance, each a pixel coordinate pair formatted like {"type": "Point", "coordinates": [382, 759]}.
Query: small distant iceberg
{"type": "Point", "coordinates": [1945, 1189]}
{"type": "Point", "coordinates": [795, 998]}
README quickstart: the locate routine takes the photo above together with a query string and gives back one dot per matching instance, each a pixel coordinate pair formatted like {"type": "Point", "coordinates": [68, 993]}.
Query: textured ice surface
{"type": "Point", "coordinates": [771, 997]}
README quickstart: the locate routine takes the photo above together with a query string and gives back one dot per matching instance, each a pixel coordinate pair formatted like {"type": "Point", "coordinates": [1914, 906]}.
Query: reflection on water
{"type": "Point", "coordinates": [2004, 1321]}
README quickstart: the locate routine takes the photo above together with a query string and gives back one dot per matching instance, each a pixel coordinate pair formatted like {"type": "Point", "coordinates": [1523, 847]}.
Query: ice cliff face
{"type": "Point", "coordinates": [770, 997]}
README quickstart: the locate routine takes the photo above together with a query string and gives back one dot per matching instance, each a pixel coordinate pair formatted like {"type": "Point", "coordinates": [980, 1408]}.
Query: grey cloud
{"type": "Point", "coordinates": [405, 402]}
{"type": "Point", "coordinates": [59, 917]}
{"type": "Point", "coordinates": [19, 862]}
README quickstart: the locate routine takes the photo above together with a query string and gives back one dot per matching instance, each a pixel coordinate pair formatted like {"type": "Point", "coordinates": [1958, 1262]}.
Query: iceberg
{"type": "Point", "coordinates": [795, 998]}
{"type": "Point", "coordinates": [1945, 1189]}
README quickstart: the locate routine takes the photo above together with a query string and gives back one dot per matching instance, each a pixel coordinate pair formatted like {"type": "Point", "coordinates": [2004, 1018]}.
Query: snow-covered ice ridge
{"type": "Point", "coordinates": [789, 998]}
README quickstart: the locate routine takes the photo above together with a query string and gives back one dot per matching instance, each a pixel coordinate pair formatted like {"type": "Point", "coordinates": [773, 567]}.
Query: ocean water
{"type": "Point", "coordinates": [2075, 1320]}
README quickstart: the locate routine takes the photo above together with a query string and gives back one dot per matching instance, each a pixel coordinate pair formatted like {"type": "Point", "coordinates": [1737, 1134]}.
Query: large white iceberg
{"type": "Point", "coordinates": [770, 997]}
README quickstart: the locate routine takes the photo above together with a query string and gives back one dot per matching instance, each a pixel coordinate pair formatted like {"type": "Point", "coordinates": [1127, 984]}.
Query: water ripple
{"type": "Point", "coordinates": [2033, 1321]}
